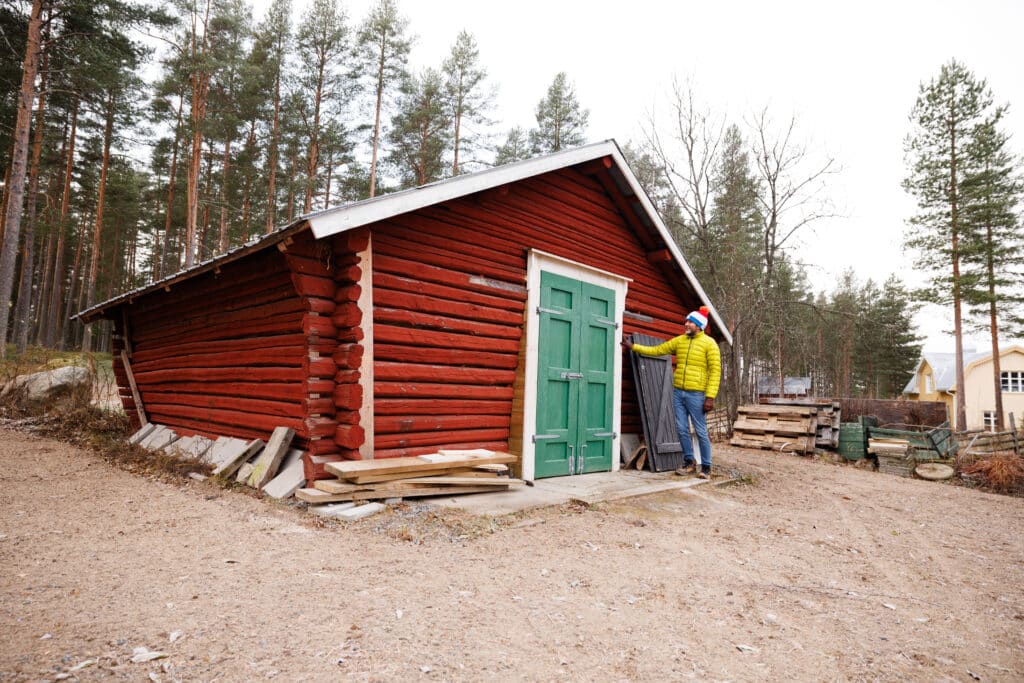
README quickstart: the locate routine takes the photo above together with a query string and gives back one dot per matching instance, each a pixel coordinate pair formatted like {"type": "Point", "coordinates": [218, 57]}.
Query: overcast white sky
{"type": "Point", "coordinates": [848, 71]}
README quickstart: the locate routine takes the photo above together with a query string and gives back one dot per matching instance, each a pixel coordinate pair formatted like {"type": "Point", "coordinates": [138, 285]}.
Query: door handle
{"type": "Point", "coordinates": [572, 460]}
{"type": "Point", "coordinates": [582, 458]}
{"type": "Point", "coordinates": [572, 375]}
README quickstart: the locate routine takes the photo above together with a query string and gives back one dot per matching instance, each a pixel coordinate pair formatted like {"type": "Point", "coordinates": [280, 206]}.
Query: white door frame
{"type": "Point", "coordinates": [538, 261]}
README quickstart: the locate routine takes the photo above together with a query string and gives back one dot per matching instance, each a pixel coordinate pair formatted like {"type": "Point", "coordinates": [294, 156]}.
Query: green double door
{"type": "Point", "coordinates": [575, 378]}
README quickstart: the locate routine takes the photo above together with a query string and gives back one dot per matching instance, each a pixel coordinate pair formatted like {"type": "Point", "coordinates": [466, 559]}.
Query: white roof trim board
{"type": "Point", "coordinates": [357, 214]}
{"type": "Point", "coordinates": [343, 218]}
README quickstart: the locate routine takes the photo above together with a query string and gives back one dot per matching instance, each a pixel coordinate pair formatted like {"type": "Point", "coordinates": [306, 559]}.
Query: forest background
{"type": "Point", "coordinates": [164, 135]}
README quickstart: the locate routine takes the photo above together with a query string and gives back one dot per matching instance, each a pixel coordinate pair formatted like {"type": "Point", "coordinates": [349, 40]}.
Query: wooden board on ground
{"type": "Point", "coordinates": [192, 447]}
{"type": "Point", "coordinates": [628, 443]}
{"type": "Point", "coordinates": [315, 495]}
{"type": "Point", "coordinates": [782, 443]}
{"type": "Point", "coordinates": [362, 469]}
{"type": "Point", "coordinates": [290, 476]}
{"type": "Point", "coordinates": [229, 454]}
{"type": "Point", "coordinates": [160, 438]}
{"type": "Point", "coordinates": [144, 431]}
{"type": "Point", "coordinates": [266, 465]}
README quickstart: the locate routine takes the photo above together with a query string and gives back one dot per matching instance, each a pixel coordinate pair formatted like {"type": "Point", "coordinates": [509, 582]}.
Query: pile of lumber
{"type": "Point", "coordinates": [894, 456]}
{"type": "Point", "coordinates": [791, 429]}
{"type": "Point", "coordinates": [272, 466]}
{"type": "Point", "coordinates": [829, 413]}
{"type": "Point", "coordinates": [445, 473]}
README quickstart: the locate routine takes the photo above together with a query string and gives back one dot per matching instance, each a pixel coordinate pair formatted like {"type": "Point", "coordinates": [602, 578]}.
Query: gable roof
{"type": "Point", "coordinates": [356, 214]}
{"type": "Point", "coordinates": [943, 365]}
{"type": "Point", "coordinates": [791, 385]}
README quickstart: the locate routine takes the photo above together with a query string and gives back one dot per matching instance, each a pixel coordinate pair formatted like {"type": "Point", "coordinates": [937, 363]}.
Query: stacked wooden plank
{"type": "Point", "coordinates": [791, 429]}
{"type": "Point", "coordinates": [444, 473]}
{"type": "Point", "coordinates": [894, 456]}
{"type": "Point", "coordinates": [988, 443]}
{"type": "Point", "coordinates": [829, 415]}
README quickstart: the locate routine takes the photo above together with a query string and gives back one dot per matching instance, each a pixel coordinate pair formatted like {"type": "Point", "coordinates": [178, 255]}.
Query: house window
{"type": "Point", "coordinates": [989, 417]}
{"type": "Point", "coordinates": [1012, 381]}
{"type": "Point", "coordinates": [929, 384]}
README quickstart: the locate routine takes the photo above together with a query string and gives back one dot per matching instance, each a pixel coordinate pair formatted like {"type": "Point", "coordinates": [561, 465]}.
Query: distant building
{"type": "Point", "coordinates": [935, 380]}
{"type": "Point", "coordinates": [793, 387]}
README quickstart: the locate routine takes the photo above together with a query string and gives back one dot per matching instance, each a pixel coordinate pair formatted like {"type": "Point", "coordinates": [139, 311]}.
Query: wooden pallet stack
{"type": "Point", "coordinates": [829, 415]}
{"type": "Point", "coordinates": [791, 429]}
{"type": "Point", "coordinates": [894, 456]}
{"type": "Point", "coordinates": [447, 472]}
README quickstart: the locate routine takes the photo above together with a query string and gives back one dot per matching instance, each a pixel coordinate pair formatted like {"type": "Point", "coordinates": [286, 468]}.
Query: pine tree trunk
{"type": "Point", "coordinates": [272, 155]}
{"type": "Point", "coordinates": [222, 237]}
{"type": "Point", "coordinates": [75, 287]}
{"type": "Point", "coordinates": [291, 192]}
{"type": "Point", "coordinates": [376, 123]}
{"type": "Point", "coordinates": [314, 143]}
{"type": "Point", "coordinates": [16, 185]}
{"type": "Point", "coordinates": [94, 257]}
{"type": "Point", "coordinates": [171, 182]}
{"type": "Point", "coordinates": [54, 324]}
{"type": "Point", "coordinates": [993, 324]}
{"type": "Point", "coordinates": [247, 191]}
{"type": "Point", "coordinates": [23, 311]}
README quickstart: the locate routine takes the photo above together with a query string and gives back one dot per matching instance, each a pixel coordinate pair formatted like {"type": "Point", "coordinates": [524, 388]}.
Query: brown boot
{"type": "Point", "coordinates": [686, 469]}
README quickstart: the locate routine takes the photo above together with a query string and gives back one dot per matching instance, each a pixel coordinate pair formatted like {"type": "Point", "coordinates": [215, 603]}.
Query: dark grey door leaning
{"type": "Point", "coordinates": [653, 379]}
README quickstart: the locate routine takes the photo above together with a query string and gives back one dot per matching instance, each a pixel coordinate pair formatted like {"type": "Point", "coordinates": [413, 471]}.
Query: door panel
{"type": "Point", "coordinates": [574, 393]}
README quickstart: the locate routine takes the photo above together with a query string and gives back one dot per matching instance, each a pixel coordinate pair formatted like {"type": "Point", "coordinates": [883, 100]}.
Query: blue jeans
{"type": "Point", "coordinates": [689, 405]}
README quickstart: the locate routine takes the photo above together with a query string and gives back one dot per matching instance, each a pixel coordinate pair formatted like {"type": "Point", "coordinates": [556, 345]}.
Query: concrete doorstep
{"type": "Point", "coordinates": [586, 488]}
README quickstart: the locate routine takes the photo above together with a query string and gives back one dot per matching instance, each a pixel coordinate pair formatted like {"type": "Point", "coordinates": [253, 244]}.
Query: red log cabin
{"type": "Point", "coordinates": [483, 311]}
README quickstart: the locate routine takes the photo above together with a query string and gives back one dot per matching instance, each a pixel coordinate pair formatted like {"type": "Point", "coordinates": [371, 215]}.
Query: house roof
{"type": "Point", "coordinates": [792, 385]}
{"type": "Point", "coordinates": [943, 367]}
{"type": "Point", "coordinates": [356, 214]}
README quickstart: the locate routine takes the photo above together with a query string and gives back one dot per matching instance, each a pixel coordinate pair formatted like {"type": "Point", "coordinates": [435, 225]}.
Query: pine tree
{"type": "Point", "coordinates": [945, 118]}
{"type": "Point", "coordinates": [993, 276]}
{"type": "Point", "coordinates": [468, 97]}
{"type": "Point", "coordinates": [515, 148]}
{"type": "Point", "coordinates": [382, 53]}
{"type": "Point", "coordinates": [324, 40]}
{"type": "Point", "coordinates": [420, 131]}
{"type": "Point", "coordinates": [561, 122]}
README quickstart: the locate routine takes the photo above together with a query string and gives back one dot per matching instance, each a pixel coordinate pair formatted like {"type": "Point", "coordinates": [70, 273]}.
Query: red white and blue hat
{"type": "Point", "coordinates": [699, 317]}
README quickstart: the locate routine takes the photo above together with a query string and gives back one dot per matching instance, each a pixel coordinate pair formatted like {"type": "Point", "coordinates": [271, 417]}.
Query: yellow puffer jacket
{"type": "Point", "coordinates": [698, 362]}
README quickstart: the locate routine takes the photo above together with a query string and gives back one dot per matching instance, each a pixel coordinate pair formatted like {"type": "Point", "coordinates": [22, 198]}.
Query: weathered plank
{"type": "Point", "coordinates": [363, 468]}
{"type": "Point", "coordinates": [232, 454]}
{"type": "Point", "coordinates": [290, 477]}
{"type": "Point", "coordinates": [143, 431]}
{"type": "Point", "coordinates": [266, 465]}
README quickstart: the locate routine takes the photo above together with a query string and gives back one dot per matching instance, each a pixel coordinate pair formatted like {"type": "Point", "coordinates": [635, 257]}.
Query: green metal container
{"type": "Point", "coordinates": [851, 441]}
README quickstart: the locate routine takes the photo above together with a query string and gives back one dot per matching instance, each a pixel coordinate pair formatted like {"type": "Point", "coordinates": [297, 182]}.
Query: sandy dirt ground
{"type": "Point", "coordinates": [814, 571]}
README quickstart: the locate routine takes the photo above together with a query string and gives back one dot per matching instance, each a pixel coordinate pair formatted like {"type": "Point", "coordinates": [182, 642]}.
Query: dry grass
{"type": "Point", "coordinates": [1000, 472]}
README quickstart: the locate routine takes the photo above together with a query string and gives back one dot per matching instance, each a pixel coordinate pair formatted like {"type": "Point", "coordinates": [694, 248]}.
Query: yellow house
{"type": "Point", "coordinates": [935, 380]}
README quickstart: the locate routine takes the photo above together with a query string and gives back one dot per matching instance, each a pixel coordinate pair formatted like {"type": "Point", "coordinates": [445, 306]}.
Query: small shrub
{"type": "Point", "coordinates": [1001, 472]}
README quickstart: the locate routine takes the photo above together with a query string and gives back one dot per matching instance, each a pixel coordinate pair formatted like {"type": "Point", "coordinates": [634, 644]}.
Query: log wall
{"type": "Point", "coordinates": [241, 351]}
{"type": "Point", "coordinates": [449, 305]}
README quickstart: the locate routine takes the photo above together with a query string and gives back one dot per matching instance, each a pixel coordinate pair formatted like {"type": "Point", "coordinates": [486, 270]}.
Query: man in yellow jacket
{"type": "Point", "coordinates": [695, 381]}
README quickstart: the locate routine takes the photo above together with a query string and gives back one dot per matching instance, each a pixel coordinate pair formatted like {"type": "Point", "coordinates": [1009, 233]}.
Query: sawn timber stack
{"type": "Point", "coordinates": [782, 428]}
{"type": "Point", "coordinates": [447, 472]}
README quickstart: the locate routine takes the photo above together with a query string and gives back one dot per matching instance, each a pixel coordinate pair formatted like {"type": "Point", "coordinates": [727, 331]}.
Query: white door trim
{"type": "Point", "coordinates": [537, 262]}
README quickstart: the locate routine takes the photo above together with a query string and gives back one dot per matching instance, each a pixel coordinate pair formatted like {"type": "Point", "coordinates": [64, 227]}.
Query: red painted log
{"type": "Point", "coordinates": [403, 318]}
{"type": "Point", "coordinates": [347, 417]}
{"type": "Point", "coordinates": [455, 357]}
{"type": "Point", "coordinates": [396, 283]}
{"type": "Point", "coordinates": [347, 315]}
{"type": "Point", "coordinates": [348, 293]}
{"type": "Point", "coordinates": [320, 367]}
{"type": "Point", "coordinates": [319, 427]}
{"type": "Point", "coordinates": [452, 309]}
{"type": "Point", "coordinates": [279, 391]}
{"type": "Point", "coordinates": [322, 447]}
{"type": "Point", "coordinates": [349, 436]}
{"type": "Point", "coordinates": [318, 326]}
{"type": "Point", "coordinates": [311, 285]}
{"type": "Point", "coordinates": [324, 307]}
{"type": "Point", "coordinates": [244, 374]}
{"type": "Point", "coordinates": [383, 334]}
{"type": "Point", "coordinates": [427, 390]}
{"type": "Point", "coordinates": [405, 424]}
{"type": "Point", "coordinates": [246, 405]}
{"type": "Point", "coordinates": [438, 406]}
{"type": "Point", "coordinates": [348, 355]}
{"type": "Point", "coordinates": [438, 438]}
{"type": "Point", "coordinates": [346, 275]}
{"type": "Point", "coordinates": [412, 268]}
{"type": "Point", "coordinates": [348, 396]}
{"type": "Point", "coordinates": [350, 335]}
{"type": "Point", "coordinates": [351, 241]}
{"type": "Point", "coordinates": [262, 344]}
{"type": "Point", "coordinates": [293, 356]}
{"type": "Point", "coordinates": [443, 258]}
{"type": "Point", "coordinates": [308, 265]}
{"type": "Point", "coordinates": [440, 373]}
{"type": "Point", "coordinates": [314, 466]}
{"type": "Point", "coordinates": [346, 376]}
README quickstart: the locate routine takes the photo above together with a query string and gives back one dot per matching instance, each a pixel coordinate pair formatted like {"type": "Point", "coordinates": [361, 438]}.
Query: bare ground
{"type": "Point", "coordinates": [814, 571]}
